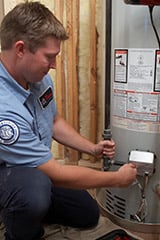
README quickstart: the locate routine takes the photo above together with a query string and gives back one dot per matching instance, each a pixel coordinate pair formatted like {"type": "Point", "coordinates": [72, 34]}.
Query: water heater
{"type": "Point", "coordinates": [135, 115]}
{"type": "Point", "coordinates": [143, 2]}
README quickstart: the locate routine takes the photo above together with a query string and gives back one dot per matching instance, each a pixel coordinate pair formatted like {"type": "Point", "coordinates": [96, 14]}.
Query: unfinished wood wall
{"type": "Point", "coordinates": [68, 94]}
{"type": "Point", "coordinates": [78, 97]}
{"type": "Point", "coordinates": [79, 77]}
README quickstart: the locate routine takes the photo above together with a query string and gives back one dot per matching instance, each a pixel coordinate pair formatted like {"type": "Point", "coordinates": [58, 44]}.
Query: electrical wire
{"type": "Point", "coordinates": [142, 211]}
{"type": "Point", "coordinates": [152, 22]}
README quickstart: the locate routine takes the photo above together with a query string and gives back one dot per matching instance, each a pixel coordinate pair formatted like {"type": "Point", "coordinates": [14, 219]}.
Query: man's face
{"type": "Point", "coordinates": [36, 65]}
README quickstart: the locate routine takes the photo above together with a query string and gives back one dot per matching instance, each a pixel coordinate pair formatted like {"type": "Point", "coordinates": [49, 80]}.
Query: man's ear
{"type": "Point", "coordinates": [20, 48]}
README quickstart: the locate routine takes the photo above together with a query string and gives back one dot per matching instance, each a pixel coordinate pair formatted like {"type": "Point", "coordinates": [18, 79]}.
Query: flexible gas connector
{"type": "Point", "coordinates": [142, 211]}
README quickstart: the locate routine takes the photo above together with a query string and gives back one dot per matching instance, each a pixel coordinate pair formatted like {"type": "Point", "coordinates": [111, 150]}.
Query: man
{"type": "Point", "coordinates": [34, 188]}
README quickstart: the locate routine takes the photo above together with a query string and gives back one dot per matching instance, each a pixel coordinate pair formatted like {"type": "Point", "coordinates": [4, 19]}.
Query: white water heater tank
{"type": "Point", "coordinates": [135, 116]}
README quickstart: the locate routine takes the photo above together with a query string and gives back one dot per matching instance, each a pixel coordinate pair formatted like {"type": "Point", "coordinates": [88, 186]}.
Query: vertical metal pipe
{"type": "Point", "coordinates": [108, 63]}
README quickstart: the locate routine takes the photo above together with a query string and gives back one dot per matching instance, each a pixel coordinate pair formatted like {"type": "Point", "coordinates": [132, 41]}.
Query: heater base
{"type": "Point", "coordinates": [124, 223]}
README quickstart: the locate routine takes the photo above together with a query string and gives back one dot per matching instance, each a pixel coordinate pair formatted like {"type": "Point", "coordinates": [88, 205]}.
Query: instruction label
{"type": "Point", "coordinates": [136, 89]}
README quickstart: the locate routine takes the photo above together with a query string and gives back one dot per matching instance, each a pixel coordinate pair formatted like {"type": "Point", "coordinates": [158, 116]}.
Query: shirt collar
{"type": "Point", "coordinates": [12, 84]}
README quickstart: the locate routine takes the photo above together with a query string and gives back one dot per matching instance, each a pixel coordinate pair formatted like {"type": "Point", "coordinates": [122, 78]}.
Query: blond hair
{"type": "Point", "coordinates": [31, 22]}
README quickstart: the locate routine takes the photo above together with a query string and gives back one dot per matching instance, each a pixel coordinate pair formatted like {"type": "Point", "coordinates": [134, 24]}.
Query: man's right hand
{"type": "Point", "coordinates": [127, 174]}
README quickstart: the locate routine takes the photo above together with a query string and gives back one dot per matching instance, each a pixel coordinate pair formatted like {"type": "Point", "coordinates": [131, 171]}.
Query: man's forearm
{"type": "Point", "coordinates": [67, 135]}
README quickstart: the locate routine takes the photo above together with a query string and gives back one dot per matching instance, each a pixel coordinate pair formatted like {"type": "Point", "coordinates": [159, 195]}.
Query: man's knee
{"type": "Point", "coordinates": [92, 214]}
{"type": "Point", "coordinates": [29, 191]}
{"type": "Point", "coordinates": [35, 195]}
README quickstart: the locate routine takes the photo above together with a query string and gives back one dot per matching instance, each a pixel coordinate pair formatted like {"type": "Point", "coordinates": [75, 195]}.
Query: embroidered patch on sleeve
{"type": "Point", "coordinates": [9, 132]}
{"type": "Point", "coordinates": [46, 97]}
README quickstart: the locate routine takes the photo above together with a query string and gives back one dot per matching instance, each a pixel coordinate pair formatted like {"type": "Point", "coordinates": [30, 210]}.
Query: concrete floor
{"type": "Point", "coordinates": [105, 225]}
{"type": "Point", "coordinates": [56, 232]}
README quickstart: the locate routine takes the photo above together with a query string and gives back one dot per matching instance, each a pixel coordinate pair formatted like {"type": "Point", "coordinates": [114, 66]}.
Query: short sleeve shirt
{"type": "Point", "coordinates": [26, 121]}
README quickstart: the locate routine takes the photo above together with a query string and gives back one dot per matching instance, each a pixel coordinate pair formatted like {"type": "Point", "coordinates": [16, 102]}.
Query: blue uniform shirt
{"type": "Point", "coordinates": [26, 121]}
